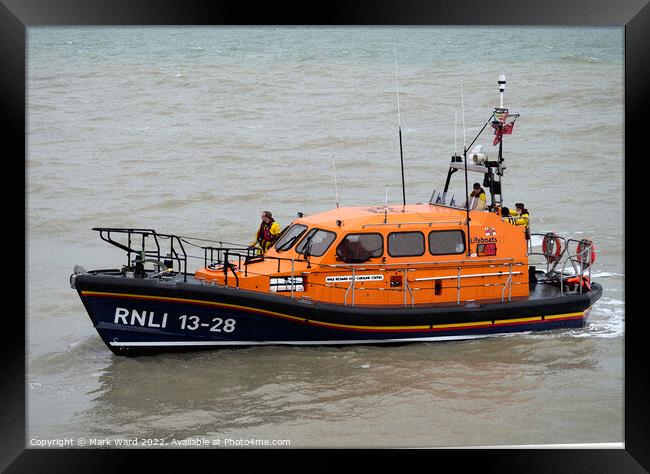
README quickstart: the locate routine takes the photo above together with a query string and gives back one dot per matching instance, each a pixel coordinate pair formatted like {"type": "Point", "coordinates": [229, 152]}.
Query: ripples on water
{"type": "Point", "coordinates": [194, 131]}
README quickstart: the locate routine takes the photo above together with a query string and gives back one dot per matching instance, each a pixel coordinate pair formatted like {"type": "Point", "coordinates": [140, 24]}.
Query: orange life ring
{"type": "Point", "coordinates": [582, 280]}
{"type": "Point", "coordinates": [551, 247]}
{"type": "Point", "coordinates": [582, 245]}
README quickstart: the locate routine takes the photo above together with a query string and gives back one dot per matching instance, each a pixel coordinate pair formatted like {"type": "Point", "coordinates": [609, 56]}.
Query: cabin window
{"type": "Point", "coordinates": [316, 242]}
{"type": "Point", "coordinates": [290, 237]}
{"type": "Point", "coordinates": [405, 244]}
{"type": "Point", "coordinates": [356, 248]}
{"type": "Point", "coordinates": [445, 242]}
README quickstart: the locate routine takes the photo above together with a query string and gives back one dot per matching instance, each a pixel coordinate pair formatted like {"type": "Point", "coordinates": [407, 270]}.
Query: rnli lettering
{"type": "Point", "coordinates": [144, 318]}
{"type": "Point", "coordinates": [139, 318]}
{"type": "Point", "coordinates": [342, 278]}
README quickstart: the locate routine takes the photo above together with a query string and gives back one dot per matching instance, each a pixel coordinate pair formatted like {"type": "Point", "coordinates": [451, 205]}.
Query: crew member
{"type": "Point", "coordinates": [520, 217]}
{"type": "Point", "coordinates": [267, 234]}
{"type": "Point", "coordinates": [479, 194]}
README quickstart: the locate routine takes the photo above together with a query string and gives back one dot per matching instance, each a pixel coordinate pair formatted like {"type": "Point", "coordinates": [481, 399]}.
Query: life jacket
{"type": "Point", "coordinates": [521, 219]}
{"type": "Point", "coordinates": [524, 215]}
{"type": "Point", "coordinates": [265, 238]}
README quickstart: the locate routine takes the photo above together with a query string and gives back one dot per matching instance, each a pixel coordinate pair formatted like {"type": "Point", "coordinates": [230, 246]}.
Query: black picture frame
{"type": "Point", "coordinates": [17, 15]}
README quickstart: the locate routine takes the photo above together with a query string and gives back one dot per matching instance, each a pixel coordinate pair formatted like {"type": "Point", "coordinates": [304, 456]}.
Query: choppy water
{"type": "Point", "coordinates": [195, 131]}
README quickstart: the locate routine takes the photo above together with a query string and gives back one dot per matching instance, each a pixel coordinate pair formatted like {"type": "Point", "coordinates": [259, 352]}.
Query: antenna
{"type": "Point", "coordinates": [455, 131]}
{"type": "Point", "coordinates": [462, 95]}
{"type": "Point", "coordinates": [501, 127]}
{"type": "Point", "coordinates": [462, 104]}
{"type": "Point", "coordinates": [399, 119]}
{"type": "Point", "coordinates": [386, 206]}
{"type": "Point", "coordinates": [336, 189]}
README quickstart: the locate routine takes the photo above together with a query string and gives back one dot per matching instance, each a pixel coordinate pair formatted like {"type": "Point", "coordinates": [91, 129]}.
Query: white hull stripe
{"type": "Point", "coordinates": [291, 343]}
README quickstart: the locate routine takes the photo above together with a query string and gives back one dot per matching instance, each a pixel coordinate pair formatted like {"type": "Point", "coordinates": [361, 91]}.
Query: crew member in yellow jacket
{"type": "Point", "coordinates": [520, 216]}
{"type": "Point", "coordinates": [267, 234]}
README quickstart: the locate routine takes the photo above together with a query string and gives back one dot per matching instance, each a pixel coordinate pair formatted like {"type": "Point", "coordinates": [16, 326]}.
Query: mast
{"type": "Point", "coordinates": [503, 123]}
{"type": "Point", "coordinates": [501, 115]}
{"type": "Point", "coordinates": [336, 189]}
{"type": "Point", "coordinates": [399, 121]}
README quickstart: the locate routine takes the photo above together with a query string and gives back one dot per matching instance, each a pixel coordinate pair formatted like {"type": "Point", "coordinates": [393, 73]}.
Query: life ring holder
{"type": "Point", "coordinates": [551, 247]}
{"type": "Point", "coordinates": [583, 245]}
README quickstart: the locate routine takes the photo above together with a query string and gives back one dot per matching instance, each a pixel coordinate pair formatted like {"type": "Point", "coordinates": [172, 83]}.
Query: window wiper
{"type": "Point", "coordinates": [288, 243]}
{"type": "Point", "coordinates": [307, 249]}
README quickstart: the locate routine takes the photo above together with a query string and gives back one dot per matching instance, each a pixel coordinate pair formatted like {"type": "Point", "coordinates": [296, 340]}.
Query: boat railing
{"type": "Point", "coordinates": [350, 287]}
{"type": "Point", "coordinates": [408, 290]}
{"type": "Point", "coordinates": [134, 242]}
{"type": "Point", "coordinates": [507, 285]}
{"type": "Point", "coordinates": [581, 261]}
{"type": "Point", "coordinates": [414, 223]}
{"type": "Point", "coordinates": [168, 251]}
{"type": "Point", "coordinates": [562, 264]}
{"type": "Point", "coordinates": [406, 285]}
{"type": "Point", "coordinates": [553, 248]}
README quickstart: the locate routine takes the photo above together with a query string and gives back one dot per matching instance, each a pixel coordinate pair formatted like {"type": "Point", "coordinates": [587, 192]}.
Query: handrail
{"type": "Point", "coordinates": [350, 286]}
{"type": "Point", "coordinates": [407, 287]}
{"type": "Point", "coordinates": [399, 224]}
{"type": "Point", "coordinates": [472, 275]}
{"type": "Point", "coordinates": [578, 258]}
{"type": "Point", "coordinates": [143, 253]}
{"type": "Point", "coordinates": [454, 263]}
{"type": "Point", "coordinates": [552, 261]}
{"type": "Point", "coordinates": [508, 284]}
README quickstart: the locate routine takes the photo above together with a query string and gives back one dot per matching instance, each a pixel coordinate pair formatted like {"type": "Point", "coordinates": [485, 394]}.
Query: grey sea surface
{"type": "Point", "coordinates": [196, 130]}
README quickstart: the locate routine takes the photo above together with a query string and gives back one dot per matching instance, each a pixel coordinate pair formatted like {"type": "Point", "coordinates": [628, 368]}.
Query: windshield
{"type": "Point", "coordinates": [316, 243]}
{"type": "Point", "coordinates": [290, 237]}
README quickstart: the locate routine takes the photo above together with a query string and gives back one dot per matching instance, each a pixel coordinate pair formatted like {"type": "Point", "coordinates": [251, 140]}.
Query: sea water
{"type": "Point", "coordinates": [196, 130]}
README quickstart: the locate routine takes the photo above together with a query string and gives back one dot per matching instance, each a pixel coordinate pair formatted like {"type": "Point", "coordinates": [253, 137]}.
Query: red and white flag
{"type": "Point", "coordinates": [500, 130]}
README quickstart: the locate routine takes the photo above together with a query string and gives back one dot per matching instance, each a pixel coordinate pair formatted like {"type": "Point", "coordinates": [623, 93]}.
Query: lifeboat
{"type": "Point", "coordinates": [432, 271]}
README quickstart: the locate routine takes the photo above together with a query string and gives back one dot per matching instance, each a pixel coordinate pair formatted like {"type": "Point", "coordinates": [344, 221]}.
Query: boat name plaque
{"type": "Point", "coordinates": [342, 278]}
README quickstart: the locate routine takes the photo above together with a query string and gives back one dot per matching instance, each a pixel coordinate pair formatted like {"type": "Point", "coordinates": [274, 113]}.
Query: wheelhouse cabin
{"type": "Point", "coordinates": [421, 254]}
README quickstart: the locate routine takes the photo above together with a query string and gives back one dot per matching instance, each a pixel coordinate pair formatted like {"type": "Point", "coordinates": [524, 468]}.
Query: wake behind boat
{"type": "Point", "coordinates": [351, 275]}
